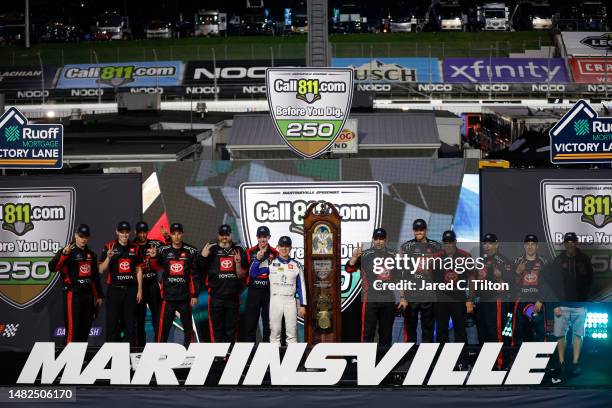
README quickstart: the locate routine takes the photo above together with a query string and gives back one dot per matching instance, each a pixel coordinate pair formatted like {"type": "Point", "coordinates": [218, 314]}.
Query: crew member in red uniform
{"type": "Point", "coordinates": [122, 261]}
{"type": "Point", "coordinates": [180, 287]}
{"type": "Point", "coordinates": [151, 295]}
{"type": "Point", "coordinates": [528, 312]}
{"type": "Point", "coordinates": [83, 296]}
{"type": "Point", "coordinates": [258, 297]}
{"type": "Point", "coordinates": [456, 302]}
{"type": "Point", "coordinates": [223, 266]}
{"type": "Point", "coordinates": [493, 307]}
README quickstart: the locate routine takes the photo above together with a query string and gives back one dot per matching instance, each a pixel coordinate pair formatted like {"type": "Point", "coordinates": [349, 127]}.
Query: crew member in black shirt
{"type": "Point", "coordinates": [180, 288]}
{"type": "Point", "coordinates": [378, 303]}
{"type": "Point", "coordinates": [223, 266]}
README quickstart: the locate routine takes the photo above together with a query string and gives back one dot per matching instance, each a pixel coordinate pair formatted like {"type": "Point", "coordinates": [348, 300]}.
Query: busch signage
{"type": "Point", "coordinates": [392, 70]}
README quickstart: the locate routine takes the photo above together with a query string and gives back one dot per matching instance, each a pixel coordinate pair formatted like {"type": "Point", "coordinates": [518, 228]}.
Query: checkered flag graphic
{"type": "Point", "coordinates": [10, 330]}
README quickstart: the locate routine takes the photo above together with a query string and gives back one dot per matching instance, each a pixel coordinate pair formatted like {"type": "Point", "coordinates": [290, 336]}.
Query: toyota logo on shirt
{"type": "Point", "coordinates": [124, 266]}
{"type": "Point", "coordinates": [226, 264]}
{"type": "Point", "coordinates": [84, 270]}
{"type": "Point", "coordinates": [531, 278]}
{"type": "Point", "coordinates": [176, 268]}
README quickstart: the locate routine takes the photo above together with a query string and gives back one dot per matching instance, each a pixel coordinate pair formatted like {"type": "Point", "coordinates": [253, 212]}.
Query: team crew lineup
{"type": "Point", "coordinates": [167, 277]}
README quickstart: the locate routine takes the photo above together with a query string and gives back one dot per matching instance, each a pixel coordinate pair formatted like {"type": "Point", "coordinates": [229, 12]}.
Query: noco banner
{"type": "Point", "coordinates": [591, 70]}
{"type": "Point", "coordinates": [505, 70]}
{"type": "Point", "coordinates": [234, 77]}
{"type": "Point", "coordinates": [38, 216]}
{"type": "Point", "coordinates": [120, 74]}
{"type": "Point", "coordinates": [309, 106]}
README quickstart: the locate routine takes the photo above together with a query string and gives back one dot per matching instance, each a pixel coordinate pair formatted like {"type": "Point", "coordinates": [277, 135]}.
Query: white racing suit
{"type": "Point", "coordinates": [286, 279]}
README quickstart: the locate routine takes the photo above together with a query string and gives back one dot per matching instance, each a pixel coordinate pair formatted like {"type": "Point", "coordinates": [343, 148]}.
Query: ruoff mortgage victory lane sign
{"type": "Point", "coordinates": [309, 106]}
{"type": "Point", "coordinates": [581, 137]}
{"type": "Point", "coordinates": [28, 146]}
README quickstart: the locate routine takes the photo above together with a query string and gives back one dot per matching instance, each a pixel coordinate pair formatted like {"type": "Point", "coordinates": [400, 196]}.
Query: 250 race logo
{"type": "Point", "coordinates": [24, 270]}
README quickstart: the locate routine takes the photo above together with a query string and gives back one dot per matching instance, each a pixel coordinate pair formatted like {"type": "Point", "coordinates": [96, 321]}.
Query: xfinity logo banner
{"type": "Point", "coordinates": [581, 137]}
{"type": "Point", "coordinates": [281, 207]}
{"type": "Point", "coordinates": [582, 206]}
{"type": "Point", "coordinates": [35, 223]}
{"type": "Point", "coordinates": [324, 365]}
{"type": "Point", "coordinates": [392, 70]}
{"type": "Point", "coordinates": [122, 74]}
{"type": "Point", "coordinates": [29, 146]}
{"type": "Point", "coordinates": [505, 70]}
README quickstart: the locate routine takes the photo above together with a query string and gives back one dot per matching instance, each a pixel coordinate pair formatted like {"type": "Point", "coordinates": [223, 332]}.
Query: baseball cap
{"type": "Point", "coordinates": [449, 236]}
{"type": "Point", "coordinates": [263, 231]}
{"type": "Point", "coordinates": [379, 233]}
{"type": "Point", "coordinates": [419, 224]}
{"type": "Point", "coordinates": [531, 238]}
{"type": "Point", "coordinates": [284, 241]}
{"type": "Point", "coordinates": [490, 237]}
{"type": "Point", "coordinates": [83, 229]}
{"type": "Point", "coordinates": [177, 226]}
{"type": "Point", "coordinates": [124, 226]}
{"type": "Point", "coordinates": [570, 237]}
{"type": "Point", "coordinates": [142, 226]}
{"type": "Point", "coordinates": [225, 229]}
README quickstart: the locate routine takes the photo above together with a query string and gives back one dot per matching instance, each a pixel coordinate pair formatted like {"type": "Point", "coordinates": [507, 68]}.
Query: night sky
{"type": "Point", "coordinates": [140, 10]}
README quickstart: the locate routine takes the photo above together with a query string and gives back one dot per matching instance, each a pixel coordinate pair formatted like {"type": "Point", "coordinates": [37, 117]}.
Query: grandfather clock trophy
{"type": "Point", "coordinates": [323, 322]}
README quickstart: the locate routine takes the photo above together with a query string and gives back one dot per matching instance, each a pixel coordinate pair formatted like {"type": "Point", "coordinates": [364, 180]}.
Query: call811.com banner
{"type": "Point", "coordinates": [368, 193]}
{"type": "Point", "coordinates": [38, 217]}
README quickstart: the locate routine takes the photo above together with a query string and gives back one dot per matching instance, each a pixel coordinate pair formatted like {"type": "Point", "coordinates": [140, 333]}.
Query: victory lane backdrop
{"type": "Point", "coordinates": [203, 195]}
{"type": "Point", "coordinates": [31, 310]}
{"type": "Point", "coordinates": [549, 203]}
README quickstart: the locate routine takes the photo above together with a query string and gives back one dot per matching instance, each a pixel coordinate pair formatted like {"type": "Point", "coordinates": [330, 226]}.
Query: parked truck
{"type": "Point", "coordinates": [210, 22]}
{"type": "Point", "coordinates": [493, 17]}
